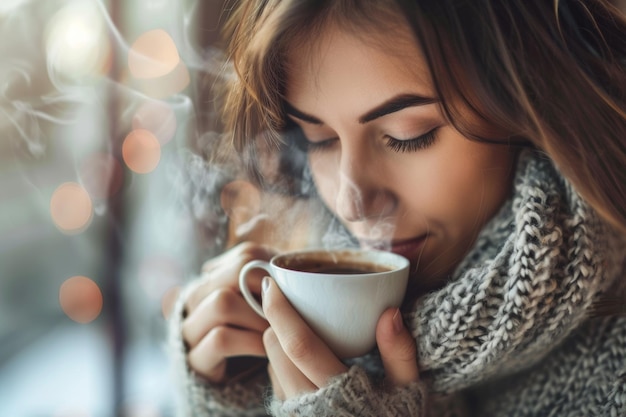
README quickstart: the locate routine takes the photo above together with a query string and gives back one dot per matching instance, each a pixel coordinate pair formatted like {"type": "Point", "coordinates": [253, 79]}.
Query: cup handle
{"type": "Point", "coordinates": [243, 284]}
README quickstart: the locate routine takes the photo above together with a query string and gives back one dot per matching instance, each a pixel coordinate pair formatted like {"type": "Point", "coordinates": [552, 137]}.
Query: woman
{"type": "Point", "coordinates": [421, 124]}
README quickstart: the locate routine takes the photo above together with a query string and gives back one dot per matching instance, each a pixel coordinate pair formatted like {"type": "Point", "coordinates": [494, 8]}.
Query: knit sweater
{"type": "Point", "coordinates": [510, 334]}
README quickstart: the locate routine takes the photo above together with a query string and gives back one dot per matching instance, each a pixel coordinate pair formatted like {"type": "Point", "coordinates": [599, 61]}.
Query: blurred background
{"type": "Point", "coordinates": [97, 119]}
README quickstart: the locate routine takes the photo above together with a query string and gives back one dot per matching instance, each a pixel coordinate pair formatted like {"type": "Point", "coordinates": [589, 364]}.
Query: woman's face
{"type": "Point", "coordinates": [382, 156]}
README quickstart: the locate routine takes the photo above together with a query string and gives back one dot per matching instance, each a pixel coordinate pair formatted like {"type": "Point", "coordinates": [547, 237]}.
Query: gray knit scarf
{"type": "Point", "coordinates": [527, 283]}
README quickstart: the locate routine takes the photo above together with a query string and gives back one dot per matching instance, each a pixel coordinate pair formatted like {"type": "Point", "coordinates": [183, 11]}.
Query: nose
{"type": "Point", "coordinates": [363, 194]}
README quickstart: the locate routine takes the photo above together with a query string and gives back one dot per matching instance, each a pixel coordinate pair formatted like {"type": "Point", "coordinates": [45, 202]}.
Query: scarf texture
{"type": "Point", "coordinates": [527, 284]}
{"type": "Point", "coordinates": [515, 309]}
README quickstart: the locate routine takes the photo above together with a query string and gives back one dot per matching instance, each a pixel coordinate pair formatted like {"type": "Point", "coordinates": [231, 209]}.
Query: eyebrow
{"type": "Point", "coordinates": [392, 105]}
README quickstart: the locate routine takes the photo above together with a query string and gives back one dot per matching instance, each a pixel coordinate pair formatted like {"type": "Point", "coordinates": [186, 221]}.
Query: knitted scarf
{"type": "Point", "coordinates": [527, 283]}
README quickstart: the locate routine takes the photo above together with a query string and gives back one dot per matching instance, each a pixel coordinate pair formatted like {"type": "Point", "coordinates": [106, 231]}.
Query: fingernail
{"type": "Point", "coordinates": [265, 284]}
{"type": "Point", "coordinates": [398, 325]}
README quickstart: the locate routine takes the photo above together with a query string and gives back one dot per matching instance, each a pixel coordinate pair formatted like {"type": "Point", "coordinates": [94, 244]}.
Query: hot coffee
{"type": "Point", "coordinates": [328, 266]}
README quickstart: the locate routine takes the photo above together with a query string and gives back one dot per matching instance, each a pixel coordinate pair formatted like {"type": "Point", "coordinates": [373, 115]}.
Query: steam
{"type": "Point", "coordinates": [61, 57]}
{"type": "Point", "coordinates": [377, 229]}
{"type": "Point", "coordinates": [79, 105]}
{"type": "Point", "coordinates": [58, 55]}
{"type": "Point", "coordinates": [67, 59]}
{"type": "Point", "coordinates": [25, 114]}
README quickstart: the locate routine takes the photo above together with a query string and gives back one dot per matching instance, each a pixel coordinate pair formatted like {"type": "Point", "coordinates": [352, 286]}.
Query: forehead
{"type": "Point", "coordinates": [381, 62]}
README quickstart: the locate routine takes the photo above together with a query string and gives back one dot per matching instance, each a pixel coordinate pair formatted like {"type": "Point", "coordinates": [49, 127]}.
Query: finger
{"type": "Point", "coordinates": [203, 288]}
{"type": "Point", "coordinates": [290, 380]}
{"type": "Point", "coordinates": [221, 280]}
{"type": "Point", "coordinates": [222, 307]}
{"type": "Point", "coordinates": [223, 272]}
{"type": "Point", "coordinates": [300, 344]}
{"type": "Point", "coordinates": [242, 250]}
{"type": "Point", "coordinates": [397, 348]}
{"type": "Point", "coordinates": [208, 358]}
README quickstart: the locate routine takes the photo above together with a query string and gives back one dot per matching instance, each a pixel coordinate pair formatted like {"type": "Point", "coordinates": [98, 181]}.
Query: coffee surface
{"type": "Point", "coordinates": [341, 267]}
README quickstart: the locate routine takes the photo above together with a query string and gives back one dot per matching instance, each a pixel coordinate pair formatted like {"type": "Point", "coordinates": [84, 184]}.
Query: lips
{"type": "Point", "coordinates": [405, 247]}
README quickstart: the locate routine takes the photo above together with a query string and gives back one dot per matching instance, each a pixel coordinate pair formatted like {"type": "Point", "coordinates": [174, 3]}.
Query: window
{"type": "Point", "coordinates": [96, 114]}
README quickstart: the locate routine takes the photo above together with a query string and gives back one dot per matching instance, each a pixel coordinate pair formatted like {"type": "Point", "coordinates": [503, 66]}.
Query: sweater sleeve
{"type": "Point", "coordinates": [242, 397]}
{"type": "Point", "coordinates": [355, 394]}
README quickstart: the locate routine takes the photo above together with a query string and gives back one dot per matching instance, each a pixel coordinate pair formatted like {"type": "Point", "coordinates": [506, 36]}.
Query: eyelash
{"type": "Point", "coordinates": [396, 145]}
{"type": "Point", "coordinates": [412, 145]}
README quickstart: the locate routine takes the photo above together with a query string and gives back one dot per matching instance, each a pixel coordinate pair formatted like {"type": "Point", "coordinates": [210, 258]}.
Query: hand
{"type": "Point", "coordinates": [219, 323]}
{"type": "Point", "coordinates": [301, 362]}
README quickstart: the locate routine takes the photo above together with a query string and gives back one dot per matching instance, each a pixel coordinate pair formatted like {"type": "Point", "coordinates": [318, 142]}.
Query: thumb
{"type": "Point", "coordinates": [397, 348]}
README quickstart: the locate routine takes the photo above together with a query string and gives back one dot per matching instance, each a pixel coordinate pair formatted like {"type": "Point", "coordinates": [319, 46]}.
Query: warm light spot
{"type": "Point", "coordinates": [141, 151]}
{"type": "Point", "coordinates": [77, 43]}
{"type": "Point", "coordinates": [158, 117]}
{"type": "Point", "coordinates": [101, 175]}
{"type": "Point", "coordinates": [168, 300]}
{"type": "Point", "coordinates": [80, 299]}
{"type": "Point", "coordinates": [153, 55]}
{"type": "Point", "coordinates": [71, 208]}
{"type": "Point", "coordinates": [173, 83]}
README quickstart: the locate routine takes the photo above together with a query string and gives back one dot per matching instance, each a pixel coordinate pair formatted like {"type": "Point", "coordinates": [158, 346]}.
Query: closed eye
{"type": "Point", "coordinates": [412, 145]}
{"type": "Point", "coordinates": [317, 146]}
{"type": "Point", "coordinates": [298, 136]}
{"type": "Point", "coordinates": [397, 145]}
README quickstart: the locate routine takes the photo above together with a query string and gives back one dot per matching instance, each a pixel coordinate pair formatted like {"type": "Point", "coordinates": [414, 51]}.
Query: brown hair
{"type": "Point", "coordinates": [552, 73]}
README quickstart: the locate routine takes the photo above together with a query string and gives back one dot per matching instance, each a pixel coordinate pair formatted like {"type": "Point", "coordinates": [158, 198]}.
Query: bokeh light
{"type": "Point", "coordinates": [141, 151]}
{"type": "Point", "coordinates": [101, 174]}
{"type": "Point", "coordinates": [158, 117]}
{"type": "Point", "coordinates": [156, 66]}
{"type": "Point", "coordinates": [81, 299]}
{"type": "Point", "coordinates": [76, 41]}
{"type": "Point", "coordinates": [153, 55]}
{"type": "Point", "coordinates": [71, 208]}
{"type": "Point", "coordinates": [173, 83]}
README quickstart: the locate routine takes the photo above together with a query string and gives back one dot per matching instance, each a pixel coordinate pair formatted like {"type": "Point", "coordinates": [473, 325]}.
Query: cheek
{"type": "Point", "coordinates": [476, 185]}
{"type": "Point", "coordinates": [459, 186]}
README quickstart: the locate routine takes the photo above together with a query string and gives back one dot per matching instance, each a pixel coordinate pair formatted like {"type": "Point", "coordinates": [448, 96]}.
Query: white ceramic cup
{"type": "Point", "coordinates": [342, 308]}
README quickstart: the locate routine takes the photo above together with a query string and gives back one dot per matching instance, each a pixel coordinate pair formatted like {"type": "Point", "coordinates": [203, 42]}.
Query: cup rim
{"type": "Point", "coordinates": [398, 262]}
